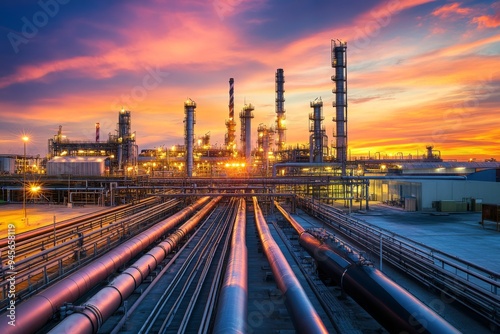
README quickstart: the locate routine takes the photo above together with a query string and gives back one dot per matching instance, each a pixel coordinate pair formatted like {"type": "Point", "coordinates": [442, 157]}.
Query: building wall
{"type": "Point", "coordinates": [7, 165]}
{"type": "Point", "coordinates": [76, 166]}
{"type": "Point", "coordinates": [456, 190]}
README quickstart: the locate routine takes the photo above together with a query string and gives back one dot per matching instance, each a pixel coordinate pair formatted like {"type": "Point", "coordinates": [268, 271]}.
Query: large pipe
{"type": "Point", "coordinates": [103, 304]}
{"type": "Point", "coordinates": [392, 306]}
{"type": "Point", "coordinates": [36, 311]}
{"type": "Point", "coordinates": [232, 312]}
{"type": "Point", "coordinates": [304, 316]}
{"type": "Point", "coordinates": [189, 107]}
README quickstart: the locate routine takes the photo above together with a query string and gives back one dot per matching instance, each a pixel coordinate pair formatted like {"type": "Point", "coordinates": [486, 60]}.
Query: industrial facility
{"type": "Point", "coordinates": [203, 238]}
{"type": "Point", "coordinates": [264, 152]}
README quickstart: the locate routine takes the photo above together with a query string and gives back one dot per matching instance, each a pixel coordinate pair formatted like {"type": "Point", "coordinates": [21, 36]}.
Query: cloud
{"type": "Point", "coordinates": [451, 10]}
{"type": "Point", "coordinates": [401, 87]}
{"type": "Point", "coordinates": [487, 21]}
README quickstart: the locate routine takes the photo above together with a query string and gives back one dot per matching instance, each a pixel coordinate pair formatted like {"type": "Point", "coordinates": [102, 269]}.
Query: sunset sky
{"type": "Point", "coordinates": [420, 72]}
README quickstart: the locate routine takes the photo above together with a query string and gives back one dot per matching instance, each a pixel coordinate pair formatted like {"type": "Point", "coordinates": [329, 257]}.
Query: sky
{"type": "Point", "coordinates": [420, 72]}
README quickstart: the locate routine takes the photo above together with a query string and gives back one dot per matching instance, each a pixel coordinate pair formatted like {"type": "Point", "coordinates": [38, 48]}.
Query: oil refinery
{"type": "Point", "coordinates": [256, 235]}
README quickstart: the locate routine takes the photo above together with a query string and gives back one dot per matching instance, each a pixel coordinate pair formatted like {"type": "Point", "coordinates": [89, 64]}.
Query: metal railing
{"type": "Point", "coordinates": [473, 286]}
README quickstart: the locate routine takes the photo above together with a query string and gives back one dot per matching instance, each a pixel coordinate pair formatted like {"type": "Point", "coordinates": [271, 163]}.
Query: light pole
{"type": "Point", "coordinates": [25, 140]}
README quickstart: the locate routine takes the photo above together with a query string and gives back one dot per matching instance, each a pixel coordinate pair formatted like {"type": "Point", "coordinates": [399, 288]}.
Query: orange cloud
{"type": "Point", "coordinates": [487, 21]}
{"type": "Point", "coordinates": [452, 9]}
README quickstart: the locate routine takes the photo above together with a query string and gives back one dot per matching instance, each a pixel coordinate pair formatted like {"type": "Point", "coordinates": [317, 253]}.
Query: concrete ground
{"type": "Point", "coordinates": [38, 215]}
{"type": "Point", "coordinates": [458, 234]}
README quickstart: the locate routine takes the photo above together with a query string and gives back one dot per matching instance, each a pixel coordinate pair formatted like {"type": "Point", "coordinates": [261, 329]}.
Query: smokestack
{"type": "Point", "coordinates": [189, 107]}
{"type": "Point", "coordinates": [230, 139]}
{"type": "Point", "coordinates": [231, 98]}
{"type": "Point", "coordinates": [97, 128]}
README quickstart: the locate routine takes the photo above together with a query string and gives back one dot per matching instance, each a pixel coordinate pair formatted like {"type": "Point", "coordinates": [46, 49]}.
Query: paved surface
{"type": "Point", "coordinates": [38, 215]}
{"type": "Point", "coordinates": [458, 234]}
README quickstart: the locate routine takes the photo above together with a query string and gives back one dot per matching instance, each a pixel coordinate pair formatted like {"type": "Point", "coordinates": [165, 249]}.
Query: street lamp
{"type": "Point", "coordinates": [25, 140]}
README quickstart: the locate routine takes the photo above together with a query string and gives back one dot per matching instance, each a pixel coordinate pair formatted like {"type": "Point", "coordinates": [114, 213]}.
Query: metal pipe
{"type": "Point", "coordinates": [232, 311]}
{"type": "Point", "coordinates": [303, 314]}
{"type": "Point", "coordinates": [392, 306]}
{"type": "Point", "coordinates": [37, 310]}
{"type": "Point", "coordinates": [103, 304]}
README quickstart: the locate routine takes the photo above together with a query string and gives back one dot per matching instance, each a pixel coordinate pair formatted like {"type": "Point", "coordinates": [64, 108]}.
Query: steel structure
{"type": "Point", "coordinates": [265, 137]}
{"type": "Point", "coordinates": [246, 116]}
{"type": "Point", "coordinates": [392, 306]}
{"type": "Point", "coordinates": [303, 314]}
{"type": "Point", "coordinates": [37, 310]}
{"type": "Point", "coordinates": [339, 64]}
{"type": "Point", "coordinates": [318, 140]}
{"type": "Point", "coordinates": [120, 148]}
{"type": "Point", "coordinates": [232, 311]}
{"type": "Point", "coordinates": [127, 149]}
{"type": "Point", "coordinates": [230, 139]}
{"type": "Point", "coordinates": [280, 110]}
{"type": "Point", "coordinates": [190, 121]}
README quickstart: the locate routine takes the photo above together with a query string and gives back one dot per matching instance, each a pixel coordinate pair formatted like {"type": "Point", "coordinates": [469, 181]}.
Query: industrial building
{"type": "Point", "coordinates": [120, 148]}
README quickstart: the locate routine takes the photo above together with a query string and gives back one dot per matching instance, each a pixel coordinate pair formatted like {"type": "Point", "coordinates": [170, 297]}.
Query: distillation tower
{"type": "Point", "coordinates": [230, 139]}
{"type": "Point", "coordinates": [318, 140]}
{"type": "Point", "coordinates": [265, 137]}
{"type": "Point", "coordinates": [339, 63]}
{"type": "Point", "coordinates": [280, 109]}
{"type": "Point", "coordinates": [127, 149]}
{"type": "Point", "coordinates": [189, 111]}
{"type": "Point", "coordinates": [246, 116]}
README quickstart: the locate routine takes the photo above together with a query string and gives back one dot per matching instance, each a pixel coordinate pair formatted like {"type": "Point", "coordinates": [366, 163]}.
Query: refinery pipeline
{"type": "Point", "coordinates": [254, 236]}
